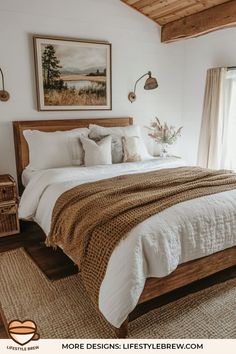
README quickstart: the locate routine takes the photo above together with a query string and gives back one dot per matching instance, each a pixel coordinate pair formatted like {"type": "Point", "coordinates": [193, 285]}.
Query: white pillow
{"type": "Point", "coordinates": [97, 153]}
{"type": "Point", "coordinates": [54, 149]}
{"type": "Point", "coordinates": [132, 148]}
{"type": "Point", "coordinates": [97, 132]}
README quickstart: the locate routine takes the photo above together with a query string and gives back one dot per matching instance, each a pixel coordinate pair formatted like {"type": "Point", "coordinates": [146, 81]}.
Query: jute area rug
{"type": "Point", "coordinates": [61, 309]}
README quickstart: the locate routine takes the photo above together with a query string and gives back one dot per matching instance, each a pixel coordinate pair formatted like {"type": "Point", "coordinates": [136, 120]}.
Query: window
{"type": "Point", "coordinates": [230, 121]}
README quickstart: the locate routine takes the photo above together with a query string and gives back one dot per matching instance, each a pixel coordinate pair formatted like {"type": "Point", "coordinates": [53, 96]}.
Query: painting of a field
{"type": "Point", "coordinates": [73, 74]}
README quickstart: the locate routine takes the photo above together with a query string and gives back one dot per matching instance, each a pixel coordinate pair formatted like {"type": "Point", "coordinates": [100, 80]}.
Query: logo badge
{"type": "Point", "coordinates": [23, 332]}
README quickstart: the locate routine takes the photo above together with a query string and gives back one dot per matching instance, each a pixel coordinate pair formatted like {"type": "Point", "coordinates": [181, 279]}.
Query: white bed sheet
{"type": "Point", "coordinates": [155, 247]}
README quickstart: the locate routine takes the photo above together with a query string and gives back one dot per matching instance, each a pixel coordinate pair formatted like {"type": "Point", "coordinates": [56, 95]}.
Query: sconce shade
{"type": "Point", "coordinates": [150, 84]}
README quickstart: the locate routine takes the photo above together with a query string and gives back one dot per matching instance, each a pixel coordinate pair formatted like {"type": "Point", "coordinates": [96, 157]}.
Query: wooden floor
{"type": "Point", "coordinates": [55, 265]}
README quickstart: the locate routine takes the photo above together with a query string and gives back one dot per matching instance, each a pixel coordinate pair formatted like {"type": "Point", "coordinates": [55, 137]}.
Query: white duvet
{"type": "Point", "coordinates": [155, 247]}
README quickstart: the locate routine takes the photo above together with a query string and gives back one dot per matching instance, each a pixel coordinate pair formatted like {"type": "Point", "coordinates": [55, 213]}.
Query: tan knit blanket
{"type": "Point", "coordinates": [89, 220]}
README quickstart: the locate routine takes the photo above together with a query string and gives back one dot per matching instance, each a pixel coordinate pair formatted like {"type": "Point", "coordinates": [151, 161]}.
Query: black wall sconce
{"type": "Point", "coordinates": [4, 95]}
{"type": "Point", "coordinates": [150, 84]}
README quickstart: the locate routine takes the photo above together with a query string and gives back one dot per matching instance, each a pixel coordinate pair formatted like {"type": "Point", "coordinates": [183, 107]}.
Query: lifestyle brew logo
{"type": "Point", "coordinates": [23, 332]}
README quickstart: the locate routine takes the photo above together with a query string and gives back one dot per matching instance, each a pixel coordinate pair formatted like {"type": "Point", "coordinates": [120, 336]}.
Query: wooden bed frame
{"type": "Point", "coordinates": [185, 274]}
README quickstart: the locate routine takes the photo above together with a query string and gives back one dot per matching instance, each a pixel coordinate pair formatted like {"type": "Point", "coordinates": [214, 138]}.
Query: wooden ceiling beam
{"type": "Point", "coordinates": [209, 20]}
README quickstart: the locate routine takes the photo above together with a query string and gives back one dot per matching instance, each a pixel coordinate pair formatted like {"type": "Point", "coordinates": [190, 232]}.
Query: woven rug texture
{"type": "Point", "coordinates": [62, 309]}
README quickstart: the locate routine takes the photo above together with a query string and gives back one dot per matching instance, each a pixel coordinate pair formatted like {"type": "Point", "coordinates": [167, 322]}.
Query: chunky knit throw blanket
{"type": "Point", "coordinates": [89, 220]}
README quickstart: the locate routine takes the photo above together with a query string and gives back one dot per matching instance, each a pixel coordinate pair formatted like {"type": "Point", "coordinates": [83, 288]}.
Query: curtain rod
{"type": "Point", "coordinates": [231, 68]}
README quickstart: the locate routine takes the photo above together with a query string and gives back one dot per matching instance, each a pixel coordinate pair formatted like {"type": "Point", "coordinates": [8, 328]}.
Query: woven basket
{"type": "Point", "coordinates": [9, 223]}
{"type": "Point", "coordinates": [7, 188]}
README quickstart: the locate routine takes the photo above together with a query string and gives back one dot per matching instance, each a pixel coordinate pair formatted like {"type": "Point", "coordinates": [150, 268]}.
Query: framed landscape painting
{"type": "Point", "coordinates": [72, 74]}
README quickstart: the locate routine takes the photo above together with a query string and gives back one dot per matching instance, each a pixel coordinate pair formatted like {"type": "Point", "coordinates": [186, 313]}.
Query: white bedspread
{"type": "Point", "coordinates": [155, 247]}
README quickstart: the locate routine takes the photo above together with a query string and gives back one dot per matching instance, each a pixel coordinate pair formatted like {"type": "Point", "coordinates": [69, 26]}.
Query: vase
{"type": "Point", "coordinates": [164, 150]}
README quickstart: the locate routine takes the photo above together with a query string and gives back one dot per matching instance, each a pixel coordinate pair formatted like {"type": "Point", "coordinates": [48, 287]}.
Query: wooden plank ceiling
{"type": "Point", "coordinates": [166, 12]}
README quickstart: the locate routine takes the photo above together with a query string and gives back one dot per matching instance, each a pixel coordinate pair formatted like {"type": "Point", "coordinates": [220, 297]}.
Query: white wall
{"type": "Point", "coordinates": [136, 49]}
{"type": "Point", "coordinates": [212, 50]}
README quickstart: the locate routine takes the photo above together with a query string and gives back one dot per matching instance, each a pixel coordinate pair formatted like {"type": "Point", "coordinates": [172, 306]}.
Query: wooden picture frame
{"type": "Point", "coordinates": [72, 74]}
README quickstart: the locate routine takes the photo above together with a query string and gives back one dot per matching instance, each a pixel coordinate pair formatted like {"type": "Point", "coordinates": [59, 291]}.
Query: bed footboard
{"type": "Point", "coordinates": [123, 331]}
{"type": "Point", "coordinates": [185, 274]}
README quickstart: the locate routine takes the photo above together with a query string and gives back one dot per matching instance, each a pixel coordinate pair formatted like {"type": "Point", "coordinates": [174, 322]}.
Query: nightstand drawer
{"type": "Point", "coordinates": [7, 188]}
{"type": "Point", "coordinates": [7, 193]}
{"type": "Point", "coordinates": [9, 223]}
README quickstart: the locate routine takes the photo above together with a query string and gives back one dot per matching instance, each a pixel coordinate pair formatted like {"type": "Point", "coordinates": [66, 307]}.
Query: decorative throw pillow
{"type": "Point", "coordinates": [97, 153]}
{"type": "Point", "coordinates": [132, 149]}
{"type": "Point", "coordinates": [97, 132]}
{"type": "Point", "coordinates": [76, 150]}
{"type": "Point", "coordinates": [54, 149]}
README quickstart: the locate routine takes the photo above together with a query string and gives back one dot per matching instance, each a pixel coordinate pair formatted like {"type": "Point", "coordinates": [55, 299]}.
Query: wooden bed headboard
{"type": "Point", "coordinates": [21, 146]}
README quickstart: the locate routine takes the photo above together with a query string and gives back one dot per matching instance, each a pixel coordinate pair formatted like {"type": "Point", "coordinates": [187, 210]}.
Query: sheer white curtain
{"type": "Point", "coordinates": [217, 144]}
{"type": "Point", "coordinates": [210, 143]}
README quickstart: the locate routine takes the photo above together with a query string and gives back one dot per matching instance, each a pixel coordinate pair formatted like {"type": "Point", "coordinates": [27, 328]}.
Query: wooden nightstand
{"type": "Point", "coordinates": [9, 222]}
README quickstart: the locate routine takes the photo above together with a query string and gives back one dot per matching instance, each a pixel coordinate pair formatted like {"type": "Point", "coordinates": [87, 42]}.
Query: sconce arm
{"type": "Point", "coordinates": [4, 95]}
{"type": "Point", "coordinates": [3, 85]}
